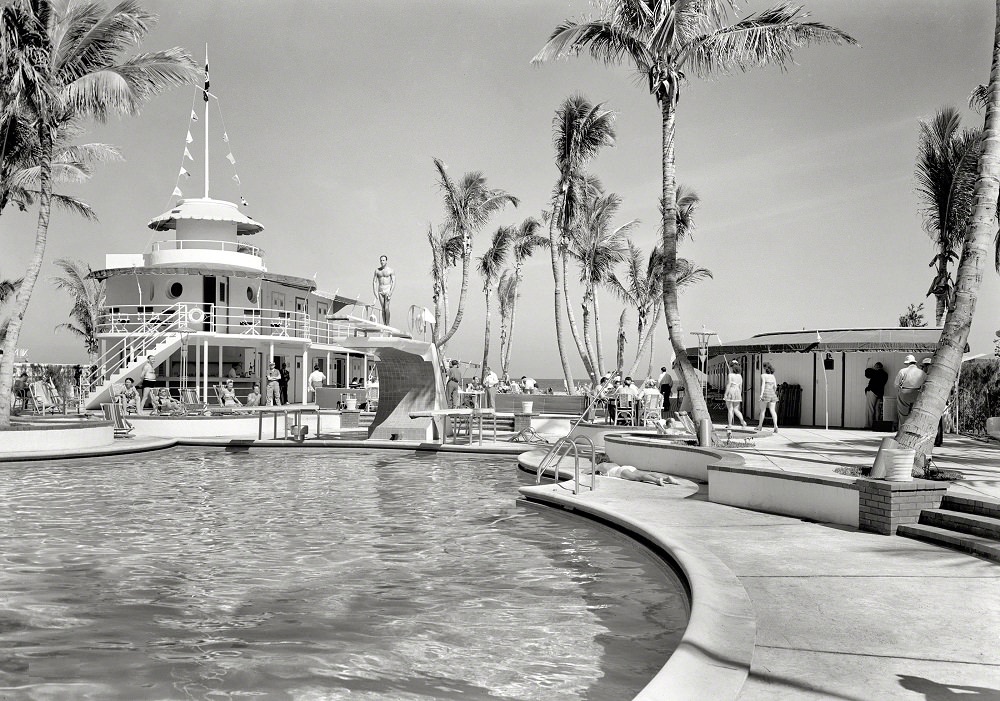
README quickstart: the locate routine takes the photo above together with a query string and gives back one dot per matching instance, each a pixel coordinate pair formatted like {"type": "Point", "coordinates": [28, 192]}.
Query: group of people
{"type": "Point", "coordinates": [489, 385]}
{"type": "Point", "coordinates": [733, 396]}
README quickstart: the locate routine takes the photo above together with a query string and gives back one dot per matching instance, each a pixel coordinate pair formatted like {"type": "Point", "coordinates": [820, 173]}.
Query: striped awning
{"type": "Point", "coordinates": [879, 340]}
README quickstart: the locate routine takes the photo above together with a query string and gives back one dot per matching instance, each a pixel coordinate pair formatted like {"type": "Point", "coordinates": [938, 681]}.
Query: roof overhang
{"type": "Point", "coordinates": [875, 340]}
{"type": "Point", "coordinates": [302, 283]}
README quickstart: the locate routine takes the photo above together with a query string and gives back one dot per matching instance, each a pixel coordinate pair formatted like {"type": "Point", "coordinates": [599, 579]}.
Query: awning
{"type": "Point", "coordinates": [879, 340]}
{"type": "Point", "coordinates": [301, 283]}
{"type": "Point", "coordinates": [334, 297]}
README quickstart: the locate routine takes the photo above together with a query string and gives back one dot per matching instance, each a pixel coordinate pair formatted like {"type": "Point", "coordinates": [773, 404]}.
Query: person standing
{"type": "Point", "coordinates": [666, 383]}
{"type": "Point", "coordinates": [768, 396]}
{"type": "Point", "coordinates": [528, 384]}
{"type": "Point", "coordinates": [909, 381]}
{"type": "Point", "coordinates": [734, 395]}
{"type": "Point", "coordinates": [454, 385]}
{"type": "Point", "coordinates": [272, 393]}
{"type": "Point", "coordinates": [316, 379]}
{"type": "Point", "coordinates": [283, 383]}
{"type": "Point", "coordinates": [383, 284]}
{"type": "Point", "coordinates": [874, 392]}
{"type": "Point", "coordinates": [148, 384]}
{"type": "Point", "coordinates": [490, 382]}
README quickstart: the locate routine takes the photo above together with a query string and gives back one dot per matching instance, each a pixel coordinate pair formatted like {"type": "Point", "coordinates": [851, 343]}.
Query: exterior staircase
{"type": "Point", "coordinates": [963, 523]}
{"type": "Point", "coordinates": [161, 348]}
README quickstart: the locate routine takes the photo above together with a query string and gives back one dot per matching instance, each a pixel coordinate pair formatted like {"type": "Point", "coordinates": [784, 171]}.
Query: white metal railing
{"type": "Point", "coordinates": [207, 245]}
{"type": "Point", "coordinates": [133, 345]}
{"type": "Point", "coordinates": [562, 448]}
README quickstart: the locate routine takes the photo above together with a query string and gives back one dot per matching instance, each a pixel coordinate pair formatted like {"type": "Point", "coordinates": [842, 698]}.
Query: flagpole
{"type": "Point", "coordinates": [206, 121]}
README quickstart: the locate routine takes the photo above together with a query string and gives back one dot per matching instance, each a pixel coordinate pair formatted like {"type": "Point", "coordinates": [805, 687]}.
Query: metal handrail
{"type": "Point", "coordinates": [568, 442]}
{"type": "Point", "coordinates": [131, 346]}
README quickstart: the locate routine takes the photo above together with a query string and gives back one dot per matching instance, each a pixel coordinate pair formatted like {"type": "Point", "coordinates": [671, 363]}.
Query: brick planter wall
{"type": "Point", "coordinates": [522, 422]}
{"type": "Point", "coordinates": [884, 506]}
{"type": "Point", "coordinates": [350, 419]}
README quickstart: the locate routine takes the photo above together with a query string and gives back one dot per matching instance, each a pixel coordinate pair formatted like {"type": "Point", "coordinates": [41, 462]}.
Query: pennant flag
{"type": "Point", "coordinates": [183, 172]}
{"type": "Point", "coordinates": [177, 192]}
{"type": "Point", "coordinates": [225, 137]}
{"type": "Point", "coordinates": [236, 178]}
{"type": "Point", "coordinates": [231, 158]}
{"type": "Point", "coordinates": [194, 117]}
{"type": "Point", "coordinates": [244, 202]}
{"type": "Point", "coordinates": [189, 137]}
{"type": "Point", "coordinates": [187, 154]}
{"type": "Point", "coordinates": [205, 91]}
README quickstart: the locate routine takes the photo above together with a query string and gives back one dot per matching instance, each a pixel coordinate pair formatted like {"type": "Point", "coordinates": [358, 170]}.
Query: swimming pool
{"type": "Point", "coordinates": [316, 574]}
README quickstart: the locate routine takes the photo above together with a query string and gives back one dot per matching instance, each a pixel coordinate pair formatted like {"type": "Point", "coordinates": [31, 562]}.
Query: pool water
{"type": "Point", "coordinates": [316, 574]}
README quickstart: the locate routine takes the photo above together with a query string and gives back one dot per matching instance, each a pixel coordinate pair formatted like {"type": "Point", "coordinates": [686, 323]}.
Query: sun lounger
{"type": "Point", "coordinates": [192, 404]}
{"type": "Point", "coordinates": [41, 399]}
{"type": "Point", "coordinates": [113, 413]}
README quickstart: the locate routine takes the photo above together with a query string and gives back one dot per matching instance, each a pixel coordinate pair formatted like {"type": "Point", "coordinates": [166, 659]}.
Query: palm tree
{"type": "Point", "coordinates": [88, 301]}
{"type": "Point", "coordinates": [665, 41]}
{"type": "Point", "coordinates": [526, 241]}
{"type": "Point", "coordinates": [506, 300]}
{"type": "Point", "coordinates": [598, 249]}
{"type": "Point", "coordinates": [446, 251]}
{"type": "Point", "coordinates": [8, 288]}
{"type": "Point", "coordinates": [59, 67]}
{"type": "Point", "coordinates": [469, 204]}
{"type": "Point", "coordinates": [580, 131]}
{"type": "Point", "coordinates": [947, 160]}
{"type": "Point", "coordinates": [919, 429]}
{"type": "Point", "coordinates": [489, 266]}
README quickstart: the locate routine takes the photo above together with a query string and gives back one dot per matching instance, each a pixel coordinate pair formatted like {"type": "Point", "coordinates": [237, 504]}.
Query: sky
{"type": "Point", "coordinates": [809, 216]}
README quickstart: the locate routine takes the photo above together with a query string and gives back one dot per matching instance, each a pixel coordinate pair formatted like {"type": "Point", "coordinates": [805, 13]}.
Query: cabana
{"type": "Point", "coordinates": [829, 365]}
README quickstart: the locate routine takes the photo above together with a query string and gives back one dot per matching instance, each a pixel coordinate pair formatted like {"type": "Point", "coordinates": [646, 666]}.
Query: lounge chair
{"type": "Point", "coordinates": [652, 409]}
{"type": "Point", "coordinates": [41, 399]}
{"type": "Point", "coordinates": [192, 404]}
{"type": "Point", "coordinates": [113, 413]}
{"type": "Point", "coordinates": [64, 403]}
{"type": "Point", "coordinates": [223, 409]}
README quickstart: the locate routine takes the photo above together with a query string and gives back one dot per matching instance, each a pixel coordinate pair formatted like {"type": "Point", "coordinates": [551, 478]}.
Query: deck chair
{"type": "Point", "coordinates": [624, 409]}
{"type": "Point", "coordinates": [371, 399]}
{"type": "Point", "coordinates": [685, 419]}
{"type": "Point", "coordinates": [113, 413]}
{"type": "Point", "coordinates": [192, 404]}
{"type": "Point", "coordinates": [223, 409]}
{"type": "Point", "coordinates": [61, 402]}
{"type": "Point", "coordinates": [41, 399]}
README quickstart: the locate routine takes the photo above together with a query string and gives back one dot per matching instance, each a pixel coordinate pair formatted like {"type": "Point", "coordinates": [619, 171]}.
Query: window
{"type": "Point", "coordinates": [222, 292]}
{"type": "Point", "coordinates": [250, 295]}
{"type": "Point", "coordinates": [175, 291]}
{"type": "Point", "coordinates": [322, 309]}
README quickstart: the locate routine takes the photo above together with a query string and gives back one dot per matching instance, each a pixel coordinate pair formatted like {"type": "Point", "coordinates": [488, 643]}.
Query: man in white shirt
{"type": "Point", "coordinates": [528, 384]}
{"type": "Point", "coordinates": [909, 382]}
{"type": "Point", "coordinates": [316, 379]}
{"type": "Point", "coordinates": [628, 388]}
{"type": "Point", "coordinates": [490, 382]}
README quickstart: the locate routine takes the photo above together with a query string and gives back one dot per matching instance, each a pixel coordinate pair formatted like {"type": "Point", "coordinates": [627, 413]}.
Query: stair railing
{"type": "Point", "coordinates": [135, 345]}
{"type": "Point", "coordinates": [565, 445]}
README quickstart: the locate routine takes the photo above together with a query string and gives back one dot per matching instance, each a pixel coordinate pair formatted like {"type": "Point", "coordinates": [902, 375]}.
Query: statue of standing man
{"type": "Point", "coordinates": [383, 283]}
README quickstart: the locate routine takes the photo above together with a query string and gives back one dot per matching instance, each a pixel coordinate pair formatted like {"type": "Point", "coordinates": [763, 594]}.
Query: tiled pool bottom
{"type": "Point", "coordinates": [324, 574]}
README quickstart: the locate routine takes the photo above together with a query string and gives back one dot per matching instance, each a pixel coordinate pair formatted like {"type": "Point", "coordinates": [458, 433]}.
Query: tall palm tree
{"type": "Point", "coordinates": [59, 66]}
{"type": "Point", "coordinates": [665, 41]}
{"type": "Point", "coordinates": [8, 288]}
{"type": "Point", "coordinates": [527, 240]}
{"type": "Point", "coordinates": [947, 161]}
{"type": "Point", "coordinates": [446, 251]}
{"type": "Point", "coordinates": [919, 429]}
{"type": "Point", "coordinates": [506, 300]}
{"type": "Point", "coordinates": [580, 130]}
{"type": "Point", "coordinates": [489, 266]}
{"type": "Point", "coordinates": [469, 204]}
{"type": "Point", "coordinates": [598, 247]}
{"type": "Point", "coordinates": [88, 296]}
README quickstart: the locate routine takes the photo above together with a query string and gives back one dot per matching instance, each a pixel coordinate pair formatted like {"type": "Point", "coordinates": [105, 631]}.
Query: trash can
{"type": "Point", "coordinates": [789, 404]}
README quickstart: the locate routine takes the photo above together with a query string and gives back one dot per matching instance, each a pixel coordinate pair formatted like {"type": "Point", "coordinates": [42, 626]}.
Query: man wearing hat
{"type": "Point", "coordinates": [908, 383]}
{"type": "Point", "coordinates": [454, 384]}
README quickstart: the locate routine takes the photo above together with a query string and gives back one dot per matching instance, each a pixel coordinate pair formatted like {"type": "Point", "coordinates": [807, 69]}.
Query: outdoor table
{"type": "Point", "coordinates": [296, 410]}
{"type": "Point", "coordinates": [475, 395]}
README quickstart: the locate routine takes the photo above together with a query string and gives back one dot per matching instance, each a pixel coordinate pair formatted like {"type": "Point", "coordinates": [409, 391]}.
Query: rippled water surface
{"type": "Point", "coordinates": [201, 574]}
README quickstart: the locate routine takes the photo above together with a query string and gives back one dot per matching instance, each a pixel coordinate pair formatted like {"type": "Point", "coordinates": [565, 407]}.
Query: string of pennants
{"type": "Point", "coordinates": [185, 173]}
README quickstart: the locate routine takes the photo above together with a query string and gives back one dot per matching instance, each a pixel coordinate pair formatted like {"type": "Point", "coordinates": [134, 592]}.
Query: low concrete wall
{"type": "Point", "coordinates": [47, 437]}
{"type": "Point", "coordinates": [821, 498]}
{"type": "Point", "coordinates": [661, 455]}
{"type": "Point", "coordinates": [571, 405]}
{"type": "Point", "coordinates": [237, 426]}
{"type": "Point", "coordinates": [555, 425]}
{"type": "Point", "coordinates": [597, 432]}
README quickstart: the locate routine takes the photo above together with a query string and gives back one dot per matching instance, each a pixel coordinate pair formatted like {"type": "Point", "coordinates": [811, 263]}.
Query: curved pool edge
{"type": "Point", "coordinates": [713, 658]}
{"type": "Point", "coordinates": [121, 446]}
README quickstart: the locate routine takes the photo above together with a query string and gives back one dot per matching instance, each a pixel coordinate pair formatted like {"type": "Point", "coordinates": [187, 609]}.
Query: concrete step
{"type": "Point", "coordinates": [977, 545]}
{"type": "Point", "coordinates": [962, 522]}
{"type": "Point", "coordinates": [983, 506]}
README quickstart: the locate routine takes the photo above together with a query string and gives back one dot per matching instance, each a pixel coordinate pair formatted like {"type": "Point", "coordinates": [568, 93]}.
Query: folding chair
{"type": "Point", "coordinates": [624, 409]}
{"type": "Point", "coordinates": [41, 399]}
{"type": "Point", "coordinates": [61, 402]}
{"type": "Point", "coordinates": [192, 404]}
{"type": "Point", "coordinates": [113, 413]}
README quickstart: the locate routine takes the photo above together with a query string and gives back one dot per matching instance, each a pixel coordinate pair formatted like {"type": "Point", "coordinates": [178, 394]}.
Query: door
{"type": "Point", "coordinates": [295, 390]}
{"type": "Point", "coordinates": [209, 296]}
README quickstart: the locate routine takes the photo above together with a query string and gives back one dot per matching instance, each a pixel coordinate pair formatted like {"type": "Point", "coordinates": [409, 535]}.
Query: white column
{"type": "Point", "coordinates": [221, 373]}
{"type": "Point", "coordinates": [197, 369]}
{"type": "Point", "coordinates": [305, 375]}
{"type": "Point", "coordinates": [328, 367]}
{"type": "Point", "coordinates": [205, 376]}
{"type": "Point", "coordinates": [364, 369]}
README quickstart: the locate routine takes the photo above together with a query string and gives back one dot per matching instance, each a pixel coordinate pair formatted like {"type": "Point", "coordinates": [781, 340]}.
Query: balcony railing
{"type": "Point", "coordinates": [207, 245]}
{"type": "Point", "coordinates": [135, 320]}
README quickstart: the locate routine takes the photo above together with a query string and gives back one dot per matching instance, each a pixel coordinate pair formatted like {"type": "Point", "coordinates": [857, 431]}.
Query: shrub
{"type": "Point", "coordinates": [978, 394]}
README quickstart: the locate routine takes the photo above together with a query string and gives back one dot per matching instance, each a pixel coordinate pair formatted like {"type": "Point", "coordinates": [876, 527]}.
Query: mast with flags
{"type": "Point", "coordinates": [205, 95]}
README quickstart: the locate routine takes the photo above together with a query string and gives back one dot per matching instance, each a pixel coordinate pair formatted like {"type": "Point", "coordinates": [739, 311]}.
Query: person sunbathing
{"type": "Point", "coordinates": [634, 474]}
{"type": "Point", "coordinates": [164, 404]}
{"type": "Point", "coordinates": [670, 427]}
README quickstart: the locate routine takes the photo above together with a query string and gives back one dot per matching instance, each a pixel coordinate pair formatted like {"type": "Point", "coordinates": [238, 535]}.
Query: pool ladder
{"type": "Point", "coordinates": [562, 447]}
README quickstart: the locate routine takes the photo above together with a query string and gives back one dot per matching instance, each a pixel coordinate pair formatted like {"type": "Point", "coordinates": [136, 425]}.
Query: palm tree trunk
{"type": "Point", "coordinates": [466, 256]}
{"type": "Point", "coordinates": [652, 344]}
{"type": "Point", "coordinates": [621, 342]}
{"type": "Point", "coordinates": [919, 429]}
{"type": "Point", "coordinates": [557, 298]}
{"type": "Point", "coordinates": [45, 139]}
{"type": "Point", "coordinates": [692, 386]}
{"type": "Point", "coordinates": [597, 335]}
{"type": "Point", "coordinates": [571, 319]}
{"type": "Point", "coordinates": [486, 339]}
{"type": "Point", "coordinates": [645, 341]}
{"type": "Point", "coordinates": [513, 313]}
